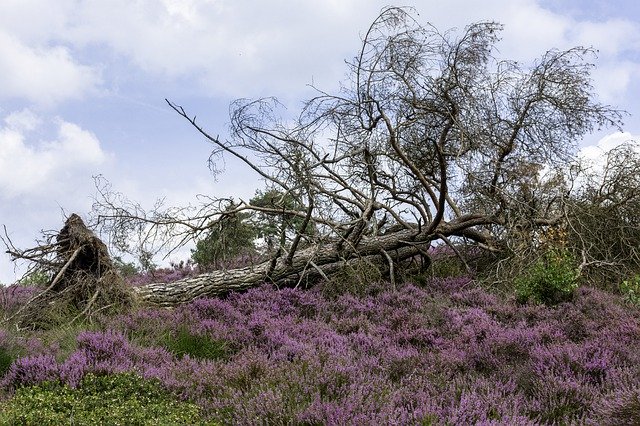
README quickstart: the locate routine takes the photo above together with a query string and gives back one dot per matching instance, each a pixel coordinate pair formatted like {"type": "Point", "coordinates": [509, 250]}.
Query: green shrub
{"type": "Point", "coordinates": [6, 359]}
{"type": "Point", "coordinates": [183, 342]}
{"type": "Point", "coordinates": [552, 279]}
{"type": "Point", "coordinates": [37, 278]}
{"type": "Point", "coordinates": [448, 267]}
{"type": "Point", "coordinates": [121, 399]}
{"type": "Point", "coordinates": [631, 290]}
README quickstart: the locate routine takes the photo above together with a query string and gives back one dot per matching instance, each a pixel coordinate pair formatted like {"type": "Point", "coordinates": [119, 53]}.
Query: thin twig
{"type": "Point", "coordinates": [456, 251]}
{"type": "Point", "coordinates": [317, 268]}
{"type": "Point", "coordinates": [48, 289]}
{"type": "Point", "coordinates": [392, 275]}
{"type": "Point", "coordinates": [89, 304]}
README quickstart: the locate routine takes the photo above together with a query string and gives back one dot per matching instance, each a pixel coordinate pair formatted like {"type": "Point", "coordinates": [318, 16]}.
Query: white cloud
{"type": "Point", "coordinates": [226, 46]}
{"type": "Point", "coordinates": [596, 152]}
{"type": "Point", "coordinates": [531, 30]}
{"type": "Point", "coordinates": [242, 47]}
{"type": "Point", "coordinates": [35, 22]}
{"type": "Point", "coordinates": [31, 167]}
{"type": "Point", "coordinates": [24, 120]}
{"type": "Point", "coordinates": [612, 80]}
{"type": "Point", "coordinates": [42, 75]}
{"type": "Point", "coordinates": [594, 156]}
{"type": "Point", "coordinates": [613, 39]}
{"type": "Point", "coordinates": [610, 37]}
{"type": "Point", "coordinates": [43, 178]}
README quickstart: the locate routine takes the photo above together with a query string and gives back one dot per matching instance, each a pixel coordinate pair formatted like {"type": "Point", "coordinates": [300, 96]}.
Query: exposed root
{"type": "Point", "coordinates": [86, 283]}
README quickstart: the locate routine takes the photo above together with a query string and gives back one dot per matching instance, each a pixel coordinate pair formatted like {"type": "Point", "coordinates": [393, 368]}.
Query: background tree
{"type": "Point", "coordinates": [602, 224]}
{"type": "Point", "coordinates": [126, 269]}
{"type": "Point", "coordinates": [276, 230]}
{"type": "Point", "coordinates": [227, 238]}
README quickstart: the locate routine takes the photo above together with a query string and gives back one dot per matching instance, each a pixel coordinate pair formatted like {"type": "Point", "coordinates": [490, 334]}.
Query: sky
{"type": "Point", "coordinates": [83, 85]}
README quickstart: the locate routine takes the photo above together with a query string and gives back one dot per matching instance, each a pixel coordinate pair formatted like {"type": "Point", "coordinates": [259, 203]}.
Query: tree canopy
{"type": "Point", "coordinates": [431, 132]}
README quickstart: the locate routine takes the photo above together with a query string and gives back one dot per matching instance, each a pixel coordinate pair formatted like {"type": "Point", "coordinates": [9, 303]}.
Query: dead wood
{"type": "Point", "coordinates": [85, 284]}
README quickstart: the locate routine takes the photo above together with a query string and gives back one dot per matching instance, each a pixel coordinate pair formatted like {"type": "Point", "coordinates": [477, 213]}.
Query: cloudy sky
{"type": "Point", "coordinates": [83, 84]}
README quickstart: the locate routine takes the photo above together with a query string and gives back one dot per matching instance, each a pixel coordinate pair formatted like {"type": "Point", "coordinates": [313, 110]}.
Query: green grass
{"type": "Point", "coordinates": [183, 342]}
{"type": "Point", "coordinates": [6, 359]}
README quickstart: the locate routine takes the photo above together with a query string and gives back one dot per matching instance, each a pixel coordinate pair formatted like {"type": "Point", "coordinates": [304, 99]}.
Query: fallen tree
{"type": "Point", "coordinates": [432, 139]}
{"type": "Point", "coordinates": [306, 266]}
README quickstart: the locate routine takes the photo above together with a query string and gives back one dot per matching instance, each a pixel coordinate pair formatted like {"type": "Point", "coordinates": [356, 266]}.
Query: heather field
{"type": "Point", "coordinates": [444, 352]}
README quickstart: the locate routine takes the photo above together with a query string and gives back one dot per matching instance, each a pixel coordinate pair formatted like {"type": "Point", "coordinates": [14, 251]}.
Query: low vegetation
{"type": "Point", "coordinates": [443, 352]}
{"type": "Point", "coordinates": [552, 279]}
{"type": "Point", "coordinates": [117, 399]}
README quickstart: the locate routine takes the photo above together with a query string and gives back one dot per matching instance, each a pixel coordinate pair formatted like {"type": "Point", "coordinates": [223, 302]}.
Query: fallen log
{"type": "Point", "coordinates": [306, 267]}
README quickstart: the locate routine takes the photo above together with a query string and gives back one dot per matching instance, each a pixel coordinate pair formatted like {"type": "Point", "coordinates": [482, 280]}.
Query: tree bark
{"type": "Point", "coordinates": [307, 264]}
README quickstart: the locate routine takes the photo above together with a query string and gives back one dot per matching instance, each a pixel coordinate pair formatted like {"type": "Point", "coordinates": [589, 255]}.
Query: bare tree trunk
{"type": "Point", "coordinates": [306, 265]}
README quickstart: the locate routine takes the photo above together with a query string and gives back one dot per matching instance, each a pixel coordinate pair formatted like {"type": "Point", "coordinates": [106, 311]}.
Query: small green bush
{"type": "Point", "coordinates": [631, 290]}
{"type": "Point", "coordinates": [121, 399]}
{"type": "Point", "coordinates": [552, 279]}
{"type": "Point", "coordinates": [448, 267]}
{"type": "Point", "coordinates": [183, 342]}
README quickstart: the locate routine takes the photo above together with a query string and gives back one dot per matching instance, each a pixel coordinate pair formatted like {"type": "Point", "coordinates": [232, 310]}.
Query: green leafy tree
{"type": "Point", "coordinates": [35, 278]}
{"type": "Point", "coordinates": [229, 237]}
{"type": "Point", "coordinates": [278, 226]}
{"type": "Point", "coordinates": [126, 269]}
{"type": "Point", "coordinates": [145, 260]}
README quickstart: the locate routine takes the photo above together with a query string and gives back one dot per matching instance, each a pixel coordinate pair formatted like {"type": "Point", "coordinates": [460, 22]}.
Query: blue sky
{"type": "Point", "coordinates": [83, 84]}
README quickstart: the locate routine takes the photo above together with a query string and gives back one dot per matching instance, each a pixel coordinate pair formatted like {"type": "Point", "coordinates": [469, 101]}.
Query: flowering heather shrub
{"type": "Point", "coordinates": [621, 407]}
{"type": "Point", "coordinates": [448, 353]}
{"type": "Point", "coordinates": [14, 296]}
{"type": "Point", "coordinates": [176, 272]}
{"type": "Point", "coordinates": [12, 347]}
{"type": "Point", "coordinates": [31, 370]}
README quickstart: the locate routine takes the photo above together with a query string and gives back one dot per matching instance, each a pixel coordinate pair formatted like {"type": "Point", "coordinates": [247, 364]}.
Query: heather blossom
{"type": "Point", "coordinates": [448, 353]}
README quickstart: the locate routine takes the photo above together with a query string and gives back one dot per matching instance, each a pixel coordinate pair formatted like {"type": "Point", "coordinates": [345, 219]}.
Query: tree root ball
{"type": "Point", "coordinates": [87, 282]}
